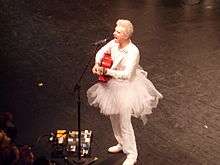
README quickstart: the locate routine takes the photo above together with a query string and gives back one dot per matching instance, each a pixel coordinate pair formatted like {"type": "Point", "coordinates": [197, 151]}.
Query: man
{"type": "Point", "coordinates": [128, 92]}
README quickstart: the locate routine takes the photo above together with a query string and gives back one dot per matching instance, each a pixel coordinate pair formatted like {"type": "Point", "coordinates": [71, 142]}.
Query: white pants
{"type": "Point", "coordinates": [124, 133]}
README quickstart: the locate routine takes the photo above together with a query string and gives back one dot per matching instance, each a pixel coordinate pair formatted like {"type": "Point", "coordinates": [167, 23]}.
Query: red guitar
{"type": "Point", "coordinates": [106, 63]}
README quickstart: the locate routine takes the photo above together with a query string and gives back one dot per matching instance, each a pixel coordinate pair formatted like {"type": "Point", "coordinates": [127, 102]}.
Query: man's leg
{"type": "Point", "coordinates": [115, 121]}
{"type": "Point", "coordinates": [128, 137]}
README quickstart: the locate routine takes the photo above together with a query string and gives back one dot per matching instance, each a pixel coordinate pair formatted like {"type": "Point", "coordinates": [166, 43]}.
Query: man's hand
{"type": "Point", "coordinates": [98, 70]}
{"type": "Point", "coordinates": [102, 71]}
{"type": "Point", "coordinates": [95, 69]}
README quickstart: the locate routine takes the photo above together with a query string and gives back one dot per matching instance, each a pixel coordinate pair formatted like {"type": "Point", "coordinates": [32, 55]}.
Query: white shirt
{"type": "Point", "coordinates": [125, 60]}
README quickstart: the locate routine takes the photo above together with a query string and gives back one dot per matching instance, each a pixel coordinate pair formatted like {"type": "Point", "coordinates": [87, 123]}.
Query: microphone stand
{"type": "Point", "coordinates": [77, 88]}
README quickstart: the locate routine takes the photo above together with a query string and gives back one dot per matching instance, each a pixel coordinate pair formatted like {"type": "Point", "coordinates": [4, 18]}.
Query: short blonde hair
{"type": "Point", "coordinates": [127, 25]}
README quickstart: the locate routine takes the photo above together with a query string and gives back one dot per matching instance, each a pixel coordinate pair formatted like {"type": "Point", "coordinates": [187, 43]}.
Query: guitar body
{"type": "Point", "coordinates": [106, 63]}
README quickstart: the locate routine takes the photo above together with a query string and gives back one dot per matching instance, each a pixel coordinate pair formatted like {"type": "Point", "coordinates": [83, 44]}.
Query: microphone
{"type": "Point", "coordinates": [101, 42]}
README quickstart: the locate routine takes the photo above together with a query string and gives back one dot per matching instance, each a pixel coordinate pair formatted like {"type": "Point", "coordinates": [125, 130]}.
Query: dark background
{"type": "Point", "coordinates": [49, 42]}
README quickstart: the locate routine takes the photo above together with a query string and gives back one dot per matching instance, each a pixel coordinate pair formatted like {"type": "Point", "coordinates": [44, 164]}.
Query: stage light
{"type": "Point", "coordinates": [65, 143]}
{"type": "Point", "coordinates": [52, 137]}
{"type": "Point", "coordinates": [40, 84]}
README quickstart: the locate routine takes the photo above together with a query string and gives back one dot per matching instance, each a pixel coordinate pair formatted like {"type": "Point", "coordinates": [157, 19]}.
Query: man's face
{"type": "Point", "coordinates": [119, 34]}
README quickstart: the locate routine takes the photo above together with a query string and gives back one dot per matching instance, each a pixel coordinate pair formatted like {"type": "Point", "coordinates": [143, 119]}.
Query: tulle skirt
{"type": "Point", "coordinates": [137, 96]}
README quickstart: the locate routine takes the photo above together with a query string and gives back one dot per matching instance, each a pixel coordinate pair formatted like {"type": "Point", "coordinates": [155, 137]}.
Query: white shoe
{"type": "Point", "coordinates": [129, 161]}
{"type": "Point", "coordinates": [115, 149]}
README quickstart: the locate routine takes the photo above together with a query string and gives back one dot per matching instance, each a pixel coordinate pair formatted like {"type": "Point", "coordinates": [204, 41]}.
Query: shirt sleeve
{"type": "Point", "coordinates": [102, 51]}
{"type": "Point", "coordinates": [130, 66]}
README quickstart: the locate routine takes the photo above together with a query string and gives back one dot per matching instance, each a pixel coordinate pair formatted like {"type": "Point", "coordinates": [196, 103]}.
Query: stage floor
{"type": "Point", "coordinates": [45, 46]}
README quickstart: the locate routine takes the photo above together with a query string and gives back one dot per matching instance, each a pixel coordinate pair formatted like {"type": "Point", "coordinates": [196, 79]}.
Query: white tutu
{"type": "Point", "coordinates": [137, 96]}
